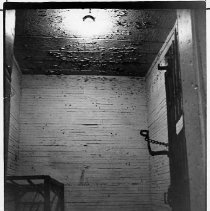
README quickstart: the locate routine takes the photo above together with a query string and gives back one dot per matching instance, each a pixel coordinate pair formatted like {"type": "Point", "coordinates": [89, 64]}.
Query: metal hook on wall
{"type": "Point", "coordinates": [145, 134]}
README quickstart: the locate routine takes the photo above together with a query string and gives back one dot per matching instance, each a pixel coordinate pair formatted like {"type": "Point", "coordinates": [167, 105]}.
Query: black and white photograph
{"type": "Point", "coordinates": [104, 106]}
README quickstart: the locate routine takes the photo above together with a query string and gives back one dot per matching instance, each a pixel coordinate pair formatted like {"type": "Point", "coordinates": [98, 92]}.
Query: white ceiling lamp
{"type": "Point", "coordinates": [89, 22]}
{"type": "Point", "coordinates": [89, 18]}
{"type": "Point", "coordinates": [79, 22]}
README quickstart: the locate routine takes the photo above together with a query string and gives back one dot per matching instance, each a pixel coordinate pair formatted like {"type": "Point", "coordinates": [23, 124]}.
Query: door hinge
{"type": "Point", "coordinates": [168, 197]}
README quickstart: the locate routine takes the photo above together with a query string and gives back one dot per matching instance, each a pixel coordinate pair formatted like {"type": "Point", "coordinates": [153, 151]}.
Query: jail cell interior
{"type": "Point", "coordinates": [77, 105]}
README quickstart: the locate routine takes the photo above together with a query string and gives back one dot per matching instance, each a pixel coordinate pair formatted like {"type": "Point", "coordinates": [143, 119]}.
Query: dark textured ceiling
{"type": "Point", "coordinates": [45, 43]}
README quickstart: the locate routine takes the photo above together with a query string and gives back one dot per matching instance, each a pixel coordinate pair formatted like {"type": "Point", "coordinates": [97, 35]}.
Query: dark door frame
{"type": "Point", "coordinates": [192, 56]}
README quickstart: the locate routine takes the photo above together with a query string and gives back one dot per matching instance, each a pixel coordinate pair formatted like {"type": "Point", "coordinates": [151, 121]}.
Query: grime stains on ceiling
{"type": "Point", "coordinates": [45, 44]}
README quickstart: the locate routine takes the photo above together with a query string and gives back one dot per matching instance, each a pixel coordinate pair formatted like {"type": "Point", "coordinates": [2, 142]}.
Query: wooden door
{"type": "Point", "coordinates": [179, 188]}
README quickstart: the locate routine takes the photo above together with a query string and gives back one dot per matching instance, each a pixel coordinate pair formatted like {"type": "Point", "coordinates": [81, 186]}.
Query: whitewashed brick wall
{"type": "Point", "coordinates": [84, 132]}
{"type": "Point", "coordinates": [13, 143]}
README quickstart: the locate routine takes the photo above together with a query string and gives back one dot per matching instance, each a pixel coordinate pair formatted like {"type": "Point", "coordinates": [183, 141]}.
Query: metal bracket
{"type": "Point", "coordinates": [162, 67]}
{"type": "Point", "coordinates": [168, 197]}
{"type": "Point", "coordinates": [165, 195]}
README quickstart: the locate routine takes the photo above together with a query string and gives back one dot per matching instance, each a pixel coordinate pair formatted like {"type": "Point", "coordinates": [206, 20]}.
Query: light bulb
{"type": "Point", "coordinates": [80, 23]}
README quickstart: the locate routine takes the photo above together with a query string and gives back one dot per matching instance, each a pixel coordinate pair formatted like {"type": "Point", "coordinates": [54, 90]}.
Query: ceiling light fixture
{"type": "Point", "coordinates": [89, 17]}
{"type": "Point", "coordinates": [87, 24]}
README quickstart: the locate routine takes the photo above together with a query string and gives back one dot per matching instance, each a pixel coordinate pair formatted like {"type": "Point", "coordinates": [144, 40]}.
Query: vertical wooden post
{"type": "Point", "coordinates": [46, 194]}
{"type": "Point", "coordinates": [193, 102]}
{"type": "Point", "coordinates": [62, 198]}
